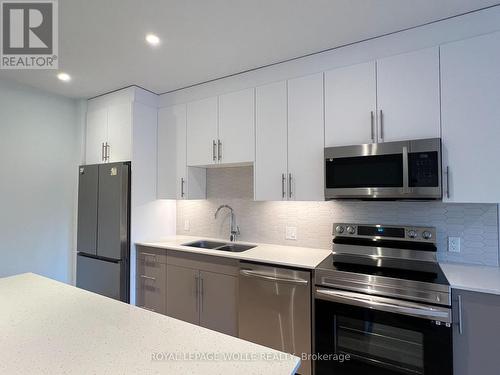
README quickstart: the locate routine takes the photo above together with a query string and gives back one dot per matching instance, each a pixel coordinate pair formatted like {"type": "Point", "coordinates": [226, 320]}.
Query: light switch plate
{"type": "Point", "coordinates": [454, 244]}
{"type": "Point", "coordinates": [291, 233]}
{"type": "Point", "coordinates": [186, 225]}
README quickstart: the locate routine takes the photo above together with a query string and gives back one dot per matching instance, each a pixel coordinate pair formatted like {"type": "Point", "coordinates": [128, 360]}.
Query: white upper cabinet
{"type": "Point", "coordinates": [350, 105]}
{"type": "Point", "coordinates": [306, 138]}
{"type": "Point", "coordinates": [470, 97]}
{"type": "Point", "coordinates": [202, 122]}
{"type": "Point", "coordinates": [175, 179]}
{"type": "Point", "coordinates": [109, 134]}
{"type": "Point", "coordinates": [119, 132]}
{"type": "Point", "coordinates": [270, 169]}
{"type": "Point", "coordinates": [97, 135]}
{"type": "Point", "coordinates": [408, 96]}
{"type": "Point", "coordinates": [237, 127]}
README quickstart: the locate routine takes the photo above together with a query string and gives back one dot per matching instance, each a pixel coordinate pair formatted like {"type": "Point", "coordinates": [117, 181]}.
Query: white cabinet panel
{"type": "Point", "coordinates": [270, 142]}
{"type": "Point", "coordinates": [237, 127]}
{"type": "Point", "coordinates": [97, 134]}
{"type": "Point", "coordinates": [202, 119]}
{"type": "Point", "coordinates": [470, 87]}
{"type": "Point", "coordinates": [306, 137]}
{"type": "Point", "coordinates": [120, 132]}
{"type": "Point", "coordinates": [408, 96]}
{"type": "Point", "coordinates": [350, 105]}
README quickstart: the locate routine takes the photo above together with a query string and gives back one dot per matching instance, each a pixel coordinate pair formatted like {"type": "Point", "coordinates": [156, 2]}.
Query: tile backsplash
{"type": "Point", "coordinates": [475, 224]}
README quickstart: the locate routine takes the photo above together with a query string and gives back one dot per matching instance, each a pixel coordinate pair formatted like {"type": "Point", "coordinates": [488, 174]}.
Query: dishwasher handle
{"type": "Point", "coordinates": [268, 277]}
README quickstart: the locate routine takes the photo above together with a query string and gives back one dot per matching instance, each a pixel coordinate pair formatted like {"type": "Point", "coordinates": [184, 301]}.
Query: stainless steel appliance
{"type": "Point", "coordinates": [275, 309]}
{"type": "Point", "coordinates": [382, 299]}
{"type": "Point", "coordinates": [390, 170]}
{"type": "Point", "coordinates": [103, 237]}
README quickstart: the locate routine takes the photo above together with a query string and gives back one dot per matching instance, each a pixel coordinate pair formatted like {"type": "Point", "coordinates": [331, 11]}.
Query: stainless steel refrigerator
{"type": "Point", "coordinates": [103, 237]}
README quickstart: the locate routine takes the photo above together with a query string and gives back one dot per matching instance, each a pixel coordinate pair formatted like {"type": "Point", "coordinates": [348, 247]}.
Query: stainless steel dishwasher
{"type": "Point", "coordinates": [274, 309]}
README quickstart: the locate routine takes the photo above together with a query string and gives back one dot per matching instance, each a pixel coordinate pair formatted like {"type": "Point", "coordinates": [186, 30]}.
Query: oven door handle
{"type": "Point", "coordinates": [429, 312]}
{"type": "Point", "coordinates": [259, 275]}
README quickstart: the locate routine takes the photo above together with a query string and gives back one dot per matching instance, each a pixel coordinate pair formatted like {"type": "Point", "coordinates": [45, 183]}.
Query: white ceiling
{"type": "Point", "coordinates": [102, 41]}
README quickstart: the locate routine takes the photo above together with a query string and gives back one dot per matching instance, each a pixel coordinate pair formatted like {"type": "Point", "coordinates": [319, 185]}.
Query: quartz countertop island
{"type": "Point", "coordinates": [48, 327]}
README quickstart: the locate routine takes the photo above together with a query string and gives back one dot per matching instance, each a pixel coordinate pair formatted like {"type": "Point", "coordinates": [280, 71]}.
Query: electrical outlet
{"type": "Point", "coordinates": [291, 233]}
{"type": "Point", "coordinates": [186, 225]}
{"type": "Point", "coordinates": [454, 244]}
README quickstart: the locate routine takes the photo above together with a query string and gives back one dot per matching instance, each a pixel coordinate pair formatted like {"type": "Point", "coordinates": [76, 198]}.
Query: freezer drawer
{"type": "Point", "coordinates": [103, 277]}
{"type": "Point", "coordinates": [274, 309]}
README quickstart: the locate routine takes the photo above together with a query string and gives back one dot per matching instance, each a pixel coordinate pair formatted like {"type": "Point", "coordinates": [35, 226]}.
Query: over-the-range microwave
{"type": "Point", "coordinates": [390, 170]}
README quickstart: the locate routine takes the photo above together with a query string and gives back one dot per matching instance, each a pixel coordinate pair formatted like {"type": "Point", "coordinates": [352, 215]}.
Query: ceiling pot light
{"type": "Point", "coordinates": [64, 77]}
{"type": "Point", "coordinates": [152, 39]}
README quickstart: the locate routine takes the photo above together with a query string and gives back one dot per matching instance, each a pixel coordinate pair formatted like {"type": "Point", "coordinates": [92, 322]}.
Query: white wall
{"type": "Point", "coordinates": [40, 148]}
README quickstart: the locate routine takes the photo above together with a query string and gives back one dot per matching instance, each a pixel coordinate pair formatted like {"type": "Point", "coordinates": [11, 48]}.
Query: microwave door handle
{"type": "Point", "coordinates": [406, 187]}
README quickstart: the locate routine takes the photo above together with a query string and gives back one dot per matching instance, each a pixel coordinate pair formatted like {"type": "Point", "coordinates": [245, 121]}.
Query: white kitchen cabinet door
{"type": "Point", "coordinates": [171, 151]}
{"type": "Point", "coordinates": [120, 132]}
{"type": "Point", "coordinates": [202, 120]}
{"type": "Point", "coordinates": [270, 169]}
{"type": "Point", "coordinates": [408, 96]}
{"type": "Point", "coordinates": [96, 136]}
{"type": "Point", "coordinates": [237, 127]}
{"type": "Point", "coordinates": [470, 97]}
{"type": "Point", "coordinates": [306, 138]}
{"type": "Point", "coordinates": [350, 105]}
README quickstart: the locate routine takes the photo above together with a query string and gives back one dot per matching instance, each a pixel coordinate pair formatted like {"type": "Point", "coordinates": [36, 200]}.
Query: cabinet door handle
{"type": "Point", "coordinates": [448, 182]}
{"type": "Point", "coordinates": [219, 149]}
{"type": "Point", "coordinates": [182, 187]}
{"type": "Point", "coordinates": [102, 151]}
{"type": "Point", "coordinates": [372, 126]}
{"type": "Point", "coordinates": [108, 151]}
{"type": "Point", "coordinates": [460, 321]}
{"type": "Point", "coordinates": [289, 185]}
{"type": "Point", "coordinates": [197, 292]}
{"type": "Point", "coordinates": [283, 182]}
{"type": "Point", "coordinates": [214, 146]}
{"type": "Point", "coordinates": [148, 277]}
{"type": "Point", "coordinates": [381, 122]}
{"type": "Point", "coordinates": [202, 293]}
{"type": "Point", "coordinates": [149, 255]}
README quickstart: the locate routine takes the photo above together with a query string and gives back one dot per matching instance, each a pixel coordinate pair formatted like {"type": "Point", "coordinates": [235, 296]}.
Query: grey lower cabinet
{"type": "Point", "coordinates": [476, 333]}
{"type": "Point", "coordinates": [204, 298]}
{"type": "Point", "coordinates": [151, 279]}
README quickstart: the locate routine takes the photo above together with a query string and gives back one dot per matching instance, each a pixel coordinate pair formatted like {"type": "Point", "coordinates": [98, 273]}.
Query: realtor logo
{"type": "Point", "coordinates": [29, 34]}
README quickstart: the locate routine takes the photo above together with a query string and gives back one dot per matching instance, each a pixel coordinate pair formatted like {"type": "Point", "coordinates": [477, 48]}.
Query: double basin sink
{"type": "Point", "coordinates": [221, 246]}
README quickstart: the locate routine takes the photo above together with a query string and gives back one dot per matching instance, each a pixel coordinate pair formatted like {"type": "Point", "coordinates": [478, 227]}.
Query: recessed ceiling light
{"type": "Point", "coordinates": [152, 39]}
{"type": "Point", "coordinates": [64, 77]}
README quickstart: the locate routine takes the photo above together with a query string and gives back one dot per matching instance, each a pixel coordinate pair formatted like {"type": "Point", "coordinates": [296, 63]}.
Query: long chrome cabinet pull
{"type": "Point", "coordinates": [107, 148]}
{"type": "Point", "coordinates": [148, 277]}
{"type": "Point", "coordinates": [448, 182]}
{"type": "Point", "coordinates": [258, 275]}
{"type": "Point", "coordinates": [197, 292]}
{"type": "Point", "coordinates": [219, 150]}
{"type": "Point", "coordinates": [182, 187]}
{"type": "Point", "coordinates": [372, 126]}
{"type": "Point", "coordinates": [149, 255]}
{"type": "Point", "coordinates": [202, 293]}
{"type": "Point", "coordinates": [460, 321]}
{"type": "Point", "coordinates": [289, 185]}
{"type": "Point", "coordinates": [102, 151]}
{"type": "Point", "coordinates": [381, 122]}
{"type": "Point", "coordinates": [214, 152]}
{"type": "Point", "coordinates": [283, 182]}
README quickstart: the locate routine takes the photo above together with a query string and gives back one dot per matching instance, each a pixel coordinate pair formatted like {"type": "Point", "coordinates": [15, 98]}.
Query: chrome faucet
{"type": "Point", "coordinates": [234, 229]}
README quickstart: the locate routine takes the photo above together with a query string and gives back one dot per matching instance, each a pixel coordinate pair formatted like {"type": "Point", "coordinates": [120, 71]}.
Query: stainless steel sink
{"type": "Point", "coordinates": [222, 246]}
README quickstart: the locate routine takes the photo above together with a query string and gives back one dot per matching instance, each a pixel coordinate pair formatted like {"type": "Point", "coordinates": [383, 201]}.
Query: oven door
{"type": "Point", "coordinates": [381, 336]}
{"type": "Point", "coordinates": [392, 170]}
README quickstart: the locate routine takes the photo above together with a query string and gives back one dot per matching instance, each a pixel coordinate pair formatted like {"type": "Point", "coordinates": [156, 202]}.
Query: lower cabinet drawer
{"type": "Point", "coordinates": [151, 286]}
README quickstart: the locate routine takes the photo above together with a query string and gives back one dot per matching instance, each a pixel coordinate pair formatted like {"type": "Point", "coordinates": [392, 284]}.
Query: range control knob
{"type": "Point", "coordinates": [427, 235]}
{"type": "Point", "coordinates": [412, 233]}
{"type": "Point", "coordinates": [339, 229]}
{"type": "Point", "coordinates": [351, 230]}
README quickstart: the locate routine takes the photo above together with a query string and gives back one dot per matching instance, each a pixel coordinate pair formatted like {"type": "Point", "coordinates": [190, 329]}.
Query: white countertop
{"type": "Point", "coordinates": [48, 327]}
{"type": "Point", "coordinates": [475, 278]}
{"type": "Point", "coordinates": [303, 257]}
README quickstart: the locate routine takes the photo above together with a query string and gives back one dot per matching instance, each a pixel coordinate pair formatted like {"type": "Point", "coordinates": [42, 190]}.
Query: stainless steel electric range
{"type": "Point", "coordinates": [382, 303]}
